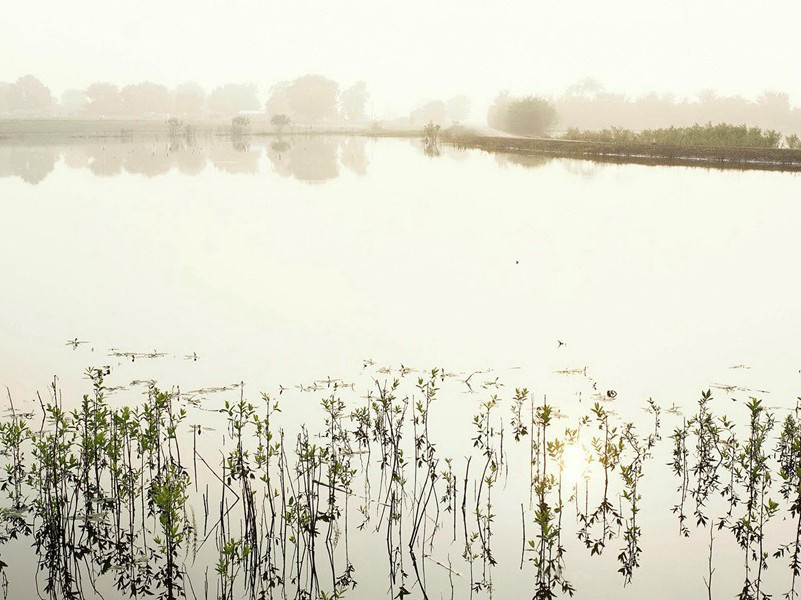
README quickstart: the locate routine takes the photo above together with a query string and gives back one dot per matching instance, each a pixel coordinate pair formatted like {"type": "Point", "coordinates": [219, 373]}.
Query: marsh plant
{"type": "Point", "coordinates": [145, 500]}
{"type": "Point", "coordinates": [548, 464]}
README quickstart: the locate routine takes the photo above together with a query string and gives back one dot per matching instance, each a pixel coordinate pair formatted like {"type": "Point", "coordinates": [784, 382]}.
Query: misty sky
{"type": "Point", "coordinates": [412, 50]}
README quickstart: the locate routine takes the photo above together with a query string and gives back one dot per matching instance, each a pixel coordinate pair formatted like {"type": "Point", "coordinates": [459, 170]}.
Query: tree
{"type": "Point", "coordinates": [458, 108]}
{"type": "Point", "coordinates": [104, 99]}
{"type": "Point", "coordinates": [145, 97]}
{"type": "Point", "coordinates": [278, 102]}
{"type": "Point", "coordinates": [280, 122]}
{"type": "Point", "coordinates": [529, 115]}
{"type": "Point", "coordinates": [74, 101]}
{"type": "Point", "coordinates": [31, 94]}
{"type": "Point", "coordinates": [189, 99]}
{"type": "Point", "coordinates": [587, 88]}
{"type": "Point", "coordinates": [354, 101]}
{"type": "Point", "coordinates": [313, 97]}
{"type": "Point", "coordinates": [434, 111]}
{"type": "Point", "coordinates": [233, 98]}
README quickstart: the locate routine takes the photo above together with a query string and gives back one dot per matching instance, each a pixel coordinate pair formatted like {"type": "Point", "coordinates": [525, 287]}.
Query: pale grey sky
{"type": "Point", "coordinates": [411, 50]}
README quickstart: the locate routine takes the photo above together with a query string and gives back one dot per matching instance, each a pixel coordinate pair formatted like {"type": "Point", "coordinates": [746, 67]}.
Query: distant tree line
{"type": "Point", "coordinates": [314, 99]}
{"type": "Point", "coordinates": [587, 105]}
{"type": "Point", "coordinates": [310, 98]}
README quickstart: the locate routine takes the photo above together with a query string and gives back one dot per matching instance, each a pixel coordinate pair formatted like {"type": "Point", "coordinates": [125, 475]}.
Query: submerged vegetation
{"type": "Point", "coordinates": [144, 501]}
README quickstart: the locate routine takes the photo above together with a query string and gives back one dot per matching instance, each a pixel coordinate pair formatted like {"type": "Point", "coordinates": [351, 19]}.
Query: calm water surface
{"type": "Point", "coordinates": [282, 262]}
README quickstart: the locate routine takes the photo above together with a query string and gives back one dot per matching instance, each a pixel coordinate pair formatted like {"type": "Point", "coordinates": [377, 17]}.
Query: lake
{"type": "Point", "coordinates": [312, 267]}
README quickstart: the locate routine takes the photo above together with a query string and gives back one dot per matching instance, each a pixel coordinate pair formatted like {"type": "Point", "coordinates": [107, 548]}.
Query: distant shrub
{"type": "Point", "coordinates": [530, 115]}
{"type": "Point", "coordinates": [239, 125]}
{"type": "Point", "coordinates": [793, 142]}
{"type": "Point", "coordinates": [431, 131]}
{"type": "Point", "coordinates": [280, 122]}
{"type": "Point", "coordinates": [175, 126]}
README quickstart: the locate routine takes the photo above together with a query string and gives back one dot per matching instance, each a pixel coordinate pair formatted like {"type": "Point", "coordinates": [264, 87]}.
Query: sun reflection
{"type": "Point", "coordinates": [575, 464]}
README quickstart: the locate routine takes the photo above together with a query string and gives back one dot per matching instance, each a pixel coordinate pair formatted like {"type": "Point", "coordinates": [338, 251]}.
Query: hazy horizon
{"type": "Point", "coordinates": [678, 48]}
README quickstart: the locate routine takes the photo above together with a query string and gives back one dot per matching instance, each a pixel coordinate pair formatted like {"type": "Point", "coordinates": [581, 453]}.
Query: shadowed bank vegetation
{"type": "Point", "coordinates": [146, 500]}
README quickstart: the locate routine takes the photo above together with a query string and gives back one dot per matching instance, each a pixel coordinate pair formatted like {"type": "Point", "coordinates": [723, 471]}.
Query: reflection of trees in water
{"type": "Point", "coordinates": [530, 161]}
{"type": "Point", "coordinates": [582, 168]}
{"type": "Point", "coordinates": [280, 146]}
{"type": "Point", "coordinates": [235, 157]}
{"type": "Point", "coordinates": [189, 157]}
{"type": "Point", "coordinates": [32, 165]}
{"type": "Point", "coordinates": [354, 155]}
{"type": "Point", "coordinates": [151, 161]}
{"type": "Point", "coordinates": [75, 157]}
{"type": "Point", "coordinates": [311, 159]}
{"type": "Point", "coordinates": [105, 162]}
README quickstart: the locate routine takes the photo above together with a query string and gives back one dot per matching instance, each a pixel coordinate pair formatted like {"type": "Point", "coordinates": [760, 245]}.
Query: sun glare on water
{"type": "Point", "coordinates": [576, 463]}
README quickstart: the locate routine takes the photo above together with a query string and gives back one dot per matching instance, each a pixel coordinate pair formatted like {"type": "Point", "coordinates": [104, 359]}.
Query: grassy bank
{"type": "Point", "coordinates": [780, 159]}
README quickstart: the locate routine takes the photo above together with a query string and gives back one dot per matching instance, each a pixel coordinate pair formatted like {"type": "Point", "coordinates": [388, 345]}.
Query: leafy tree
{"type": "Point", "coordinates": [354, 101]}
{"type": "Point", "coordinates": [280, 122]}
{"type": "Point", "coordinates": [232, 98]}
{"type": "Point", "coordinates": [31, 94]}
{"type": "Point", "coordinates": [529, 115]}
{"type": "Point", "coordinates": [278, 102]}
{"type": "Point", "coordinates": [145, 97]}
{"type": "Point", "coordinates": [586, 88]}
{"type": "Point", "coordinates": [189, 99]}
{"type": "Point", "coordinates": [104, 99]}
{"type": "Point", "coordinates": [313, 97]}
{"type": "Point", "coordinates": [74, 101]}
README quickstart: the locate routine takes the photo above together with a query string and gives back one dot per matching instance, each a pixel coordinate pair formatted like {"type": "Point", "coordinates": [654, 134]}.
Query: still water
{"type": "Point", "coordinates": [281, 263]}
